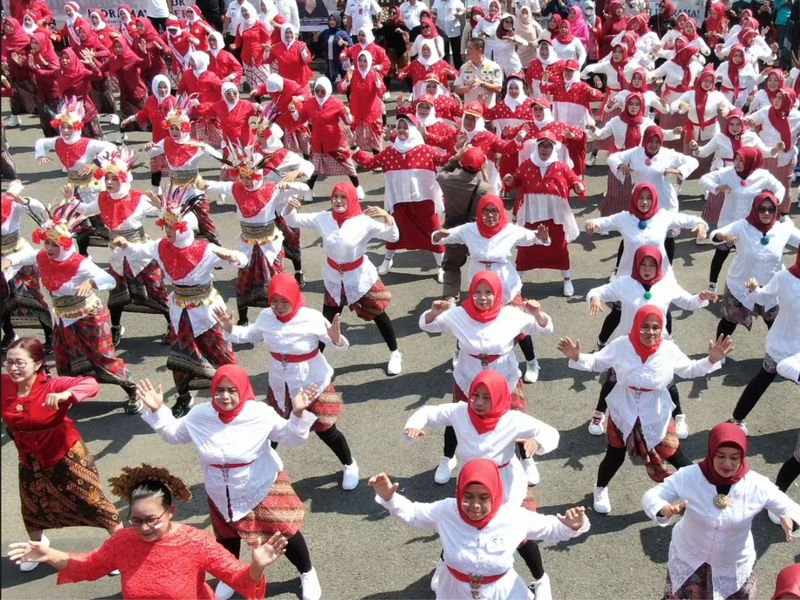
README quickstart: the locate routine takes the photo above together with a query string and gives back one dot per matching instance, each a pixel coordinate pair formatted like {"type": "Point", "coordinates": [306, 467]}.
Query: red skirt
{"type": "Point", "coordinates": [252, 281]}
{"type": "Point", "coordinates": [291, 238]}
{"type": "Point", "coordinates": [326, 407]}
{"type": "Point", "coordinates": [298, 140]}
{"type": "Point", "coordinates": [370, 305]}
{"type": "Point", "coordinates": [327, 164]}
{"type": "Point", "coordinates": [369, 137]}
{"type": "Point", "coordinates": [713, 207]}
{"type": "Point", "coordinates": [617, 197]}
{"type": "Point", "coordinates": [654, 458]}
{"type": "Point", "coordinates": [670, 121]}
{"type": "Point", "coordinates": [554, 256]}
{"type": "Point", "coordinates": [280, 511]}
{"type": "Point", "coordinates": [416, 221]}
{"type": "Point", "coordinates": [518, 401]}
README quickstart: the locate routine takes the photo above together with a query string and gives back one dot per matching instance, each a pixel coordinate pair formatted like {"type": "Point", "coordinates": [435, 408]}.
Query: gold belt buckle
{"type": "Point", "coordinates": [475, 582]}
{"type": "Point", "coordinates": [484, 360]}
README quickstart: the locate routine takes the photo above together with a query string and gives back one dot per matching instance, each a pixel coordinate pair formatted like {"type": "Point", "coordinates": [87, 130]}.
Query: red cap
{"type": "Point", "coordinates": [541, 102]}
{"type": "Point", "coordinates": [474, 108]}
{"type": "Point", "coordinates": [546, 135]}
{"type": "Point", "coordinates": [410, 118]}
{"type": "Point", "coordinates": [473, 159]}
{"type": "Point", "coordinates": [572, 64]}
{"type": "Point", "coordinates": [433, 77]}
{"type": "Point", "coordinates": [515, 75]}
{"type": "Point", "coordinates": [426, 98]}
{"type": "Point", "coordinates": [174, 22]}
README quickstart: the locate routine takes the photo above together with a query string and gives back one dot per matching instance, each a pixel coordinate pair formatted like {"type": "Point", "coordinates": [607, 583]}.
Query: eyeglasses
{"type": "Point", "coordinates": [221, 391]}
{"type": "Point", "coordinates": [653, 330]}
{"type": "Point", "coordinates": [19, 363]}
{"type": "Point", "coordinates": [149, 521]}
{"type": "Point", "coordinates": [764, 210]}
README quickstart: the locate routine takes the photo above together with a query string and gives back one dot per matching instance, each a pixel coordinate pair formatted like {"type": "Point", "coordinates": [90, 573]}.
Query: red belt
{"type": "Point", "coordinates": [475, 581]}
{"type": "Point", "coordinates": [294, 358]}
{"type": "Point", "coordinates": [636, 389]}
{"type": "Point", "coordinates": [504, 465]}
{"type": "Point", "coordinates": [351, 266]}
{"type": "Point", "coordinates": [486, 358]}
{"type": "Point", "coordinates": [690, 127]}
{"type": "Point", "coordinates": [230, 465]}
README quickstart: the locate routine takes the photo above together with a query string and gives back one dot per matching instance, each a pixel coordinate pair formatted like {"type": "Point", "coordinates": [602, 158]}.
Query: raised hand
{"type": "Point", "coordinates": [31, 551]}
{"type": "Point", "coordinates": [153, 398]}
{"type": "Point", "coordinates": [591, 227]}
{"type": "Point", "coordinates": [719, 349]}
{"type": "Point", "coordinates": [532, 307]}
{"type": "Point", "coordinates": [570, 349]}
{"type": "Point", "coordinates": [708, 296]}
{"type": "Point", "coordinates": [383, 486]}
{"type": "Point", "coordinates": [303, 399]}
{"type": "Point", "coordinates": [376, 212]}
{"type": "Point", "coordinates": [224, 319]}
{"type": "Point", "coordinates": [595, 306]}
{"type": "Point", "coordinates": [673, 510]}
{"type": "Point", "coordinates": [574, 518]}
{"type": "Point", "coordinates": [751, 284]}
{"type": "Point", "coordinates": [266, 553]}
{"type": "Point", "coordinates": [530, 446]}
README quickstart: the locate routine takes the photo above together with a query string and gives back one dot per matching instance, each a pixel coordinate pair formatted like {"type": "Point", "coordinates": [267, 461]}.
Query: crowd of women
{"type": "Point", "coordinates": [491, 107]}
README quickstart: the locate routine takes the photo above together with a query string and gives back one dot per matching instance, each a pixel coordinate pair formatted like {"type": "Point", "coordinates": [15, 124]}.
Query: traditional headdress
{"type": "Point", "coordinates": [177, 202]}
{"type": "Point", "coordinates": [118, 163]}
{"type": "Point", "coordinates": [123, 484]}
{"type": "Point", "coordinates": [70, 111]}
{"type": "Point", "coordinates": [59, 230]}
{"type": "Point", "coordinates": [179, 115]}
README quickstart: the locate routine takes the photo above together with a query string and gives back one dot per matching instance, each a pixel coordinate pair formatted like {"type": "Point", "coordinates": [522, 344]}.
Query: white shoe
{"type": "Point", "coordinates": [115, 573]}
{"type": "Point", "coordinates": [360, 192]}
{"type": "Point", "coordinates": [445, 470]}
{"type": "Point", "coordinates": [596, 426]}
{"type": "Point", "coordinates": [395, 364]}
{"type": "Point", "coordinates": [220, 199]}
{"type": "Point", "coordinates": [13, 121]}
{"type": "Point", "coordinates": [223, 591]}
{"type": "Point", "coordinates": [387, 96]}
{"type": "Point", "coordinates": [436, 573]}
{"type": "Point", "coordinates": [386, 266]}
{"type": "Point", "coordinates": [569, 289]}
{"type": "Point", "coordinates": [531, 471]}
{"type": "Point", "coordinates": [310, 585]}
{"type": "Point", "coordinates": [350, 476]}
{"type": "Point", "coordinates": [740, 424]}
{"type": "Point", "coordinates": [114, 120]}
{"type": "Point", "coordinates": [681, 429]}
{"type": "Point", "coordinates": [590, 160]}
{"type": "Point", "coordinates": [773, 517]}
{"type": "Point", "coordinates": [440, 275]}
{"type": "Point", "coordinates": [531, 371]}
{"type": "Point", "coordinates": [30, 566]}
{"type": "Point", "coordinates": [602, 501]}
{"type": "Point", "coordinates": [541, 588]}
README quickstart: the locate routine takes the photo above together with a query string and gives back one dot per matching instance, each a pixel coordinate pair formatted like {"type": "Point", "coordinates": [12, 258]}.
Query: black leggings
{"type": "Point", "coordinates": [788, 473]}
{"type": "Point", "coordinates": [752, 394]}
{"type": "Point", "coordinates": [719, 258]}
{"type": "Point", "coordinates": [335, 440]}
{"type": "Point", "coordinates": [382, 322]}
{"type": "Point", "coordinates": [450, 442]}
{"type": "Point", "coordinates": [614, 458]}
{"type": "Point", "coordinates": [530, 553]}
{"type": "Point", "coordinates": [313, 180]}
{"type": "Point", "coordinates": [526, 345]}
{"type": "Point", "coordinates": [725, 327]}
{"type": "Point", "coordinates": [296, 550]}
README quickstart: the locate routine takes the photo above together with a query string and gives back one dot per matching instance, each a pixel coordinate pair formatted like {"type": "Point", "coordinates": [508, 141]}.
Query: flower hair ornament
{"type": "Point", "coordinates": [177, 202]}
{"type": "Point", "coordinates": [266, 117]}
{"type": "Point", "coordinates": [118, 163]}
{"type": "Point", "coordinates": [71, 112]}
{"type": "Point", "coordinates": [245, 161]}
{"type": "Point", "coordinates": [178, 116]}
{"type": "Point", "coordinates": [58, 230]}
{"type": "Point", "coordinates": [123, 484]}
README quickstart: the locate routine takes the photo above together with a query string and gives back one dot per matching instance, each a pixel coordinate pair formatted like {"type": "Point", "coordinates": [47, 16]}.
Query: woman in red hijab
{"type": "Point", "coordinates": [640, 407]}
{"type": "Point", "coordinates": [15, 65]}
{"type": "Point", "coordinates": [91, 46]}
{"type": "Point", "coordinates": [711, 553]}
{"type": "Point", "coordinates": [44, 64]}
{"type": "Point", "coordinates": [468, 567]}
{"type": "Point", "coordinates": [614, 23]}
{"type": "Point", "coordinates": [235, 439]}
{"type": "Point", "coordinates": [75, 80]}
{"type": "Point", "coordinates": [126, 66]}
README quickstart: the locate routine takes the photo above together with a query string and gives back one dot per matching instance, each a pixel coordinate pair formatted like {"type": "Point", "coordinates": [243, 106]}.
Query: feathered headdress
{"type": "Point", "coordinates": [179, 115]}
{"type": "Point", "coordinates": [70, 111]}
{"type": "Point", "coordinates": [118, 163]}
{"type": "Point", "coordinates": [60, 230]}
{"type": "Point", "coordinates": [177, 202]}
{"type": "Point", "coordinates": [266, 117]}
{"type": "Point", "coordinates": [245, 161]}
{"type": "Point", "coordinates": [123, 484]}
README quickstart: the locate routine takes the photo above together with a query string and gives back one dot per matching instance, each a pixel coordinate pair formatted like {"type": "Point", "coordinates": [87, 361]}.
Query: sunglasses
{"type": "Point", "coordinates": [766, 210]}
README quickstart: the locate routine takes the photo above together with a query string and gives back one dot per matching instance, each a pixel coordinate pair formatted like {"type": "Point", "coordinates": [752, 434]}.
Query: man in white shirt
{"type": "Point", "coordinates": [232, 18]}
{"type": "Point", "coordinates": [411, 9]}
{"type": "Point", "coordinates": [359, 13]}
{"type": "Point", "coordinates": [448, 15]}
{"type": "Point", "coordinates": [479, 79]}
{"type": "Point", "coordinates": [288, 10]}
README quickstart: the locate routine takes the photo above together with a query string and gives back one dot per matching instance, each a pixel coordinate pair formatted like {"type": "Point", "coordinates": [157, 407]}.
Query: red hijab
{"type": "Point", "coordinates": [787, 585]}
{"type": "Point", "coordinates": [715, 22]}
{"type": "Point", "coordinates": [752, 158]}
{"type": "Point", "coordinates": [643, 74]}
{"type": "Point", "coordinates": [500, 394]}
{"type": "Point", "coordinates": [683, 58]}
{"type": "Point", "coordinates": [701, 95]}
{"type": "Point", "coordinates": [353, 205]}
{"type": "Point", "coordinates": [795, 268]}
{"type": "Point", "coordinates": [554, 24]}
{"type": "Point", "coordinates": [476, 13]}
{"type": "Point", "coordinates": [564, 32]}
{"type": "Point", "coordinates": [285, 286]}
{"type": "Point", "coordinates": [486, 473]}
{"type": "Point", "coordinates": [92, 42]}
{"type": "Point", "coordinates": [612, 16]}
{"type": "Point", "coordinates": [649, 133]}
{"type": "Point", "coordinates": [755, 220]}
{"type": "Point", "coordinates": [779, 117]}
{"type": "Point", "coordinates": [46, 49]}
{"type": "Point", "coordinates": [690, 36]}
{"type": "Point", "coordinates": [733, 69]}
{"type": "Point", "coordinates": [633, 133]}
{"type": "Point", "coordinates": [432, 31]}
{"type": "Point", "coordinates": [736, 140]}
{"type": "Point", "coordinates": [241, 381]}
{"type": "Point", "coordinates": [75, 73]}
{"type": "Point", "coordinates": [619, 65]}
{"type": "Point", "coordinates": [728, 435]}
{"type": "Point", "coordinates": [18, 40]}
{"type": "Point", "coordinates": [483, 316]}
{"type": "Point", "coordinates": [641, 253]}
{"type": "Point", "coordinates": [667, 10]}
{"type": "Point", "coordinates": [490, 200]}
{"type": "Point", "coordinates": [634, 206]}
{"type": "Point", "coordinates": [644, 313]}
{"type": "Point", "coordinates": [781, 82]}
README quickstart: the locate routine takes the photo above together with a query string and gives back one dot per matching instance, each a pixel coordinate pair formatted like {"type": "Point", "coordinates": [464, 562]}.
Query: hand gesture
{"type": "Point", "coordinates": [264, 554]}
{"type": "Point", "coordinates": [508, 180]}
{"type": "Point", "coordinates": [779, 147]}
{"type": "Point", "coordinates": [143, 46]}
{"type": "Point", "coordinates": [439, 306]}
{"type": "Point", "coordinates": [383, 486]}
{"type": "Point", "coordinates": [31, 551]}
{"type": "Point", "coordinates": [719, 349]}
{"type": "Point", "coordinates": [335, 330]}
{"type": "Point", "coordinates": [200, 183]}
{"type": "Point", "coordinates": [292, 107]}
{"type": "Point", "coordinates": [683, 108]}
{"type": "Point", "coordinates": [224, 319]}
{"type": "Point", "coordinates": [291, 176]}
{"type": "Point", "coordinates": [86, 170]}
{"type": "Point", "coordinates": [570, 349]}
{"type": "Point", "coordinates": [294, 203]}
{"type": "Point", "coordinates": [570, 135]}
{"type": "Point", "coordinates": [532, 307]}
{"type": "Point", "coordinates": [148, 146]}
{"type": "Point", "coordinates": [376, 212]}
{"type": "Point", "coordinates": [671, 171]}
{"type": "Point", "coordinates": [751, 284]}
{"type": "Point", "coordinates": [529, 446]}
{"type": "Point", "coordinates": [6, 264]}
{"type": "Point", "coordinates": [118, 242]}
{"type": "Point", "coordinates": [43, 160]}
{"type": "Point", "coordinates": [68, 192]}
{"type": "Point", "coordinates": [673, 510]}
{"type": "Point", "coordinates": [153, 398]}
{"type": "Point", "coordinates": [439, 235]}
{"type": "Point", "coordinates": [225, 255]}
{"type": "Point", "coordinates": [678, 130]}
{"type": "Point", "coordinates": [84, 288]}
{"type": "Point", "coordinates": [626, 170]}
{"type": "Point", "coordinates": [728, 238]}
{"type": "Point", "coordinates": [724, 189]}
{"type": "Point", "coordinates": [153, 198]}
{"type": "Point", "coordinates": [574, 518]}
{"type": "Point", "coordinates": [595, 306]}
{"type": "Point", "coordinates": [303, 399]}
{"type": "Point", "coordinates": [701, 229]}
{"type": "Point", "coordinates": [591, 227]}
{"type": "Point", "coordinates": [708, 296]}
{"type": "Point", "coordinates": [542, 233]}
{"type": "Point", "coordinates": [54, 399]}
{"type": "Point", "coordinates": [414, 433]}
{"type": "Point", "coordinates": [787, 525]}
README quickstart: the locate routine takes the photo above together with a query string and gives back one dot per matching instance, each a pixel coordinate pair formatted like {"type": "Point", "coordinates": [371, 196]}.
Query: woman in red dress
{"type": "Point", "coordinates": [290, 57]}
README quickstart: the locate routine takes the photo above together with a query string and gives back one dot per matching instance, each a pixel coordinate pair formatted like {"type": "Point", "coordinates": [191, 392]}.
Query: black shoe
{"type": "Point", "coordinates": [134, 406]}
{"type": "Point", "coordinates": [243, 322]}
{"type": "Point", "coordinates": [116, 334]}
{"type": "Point", "coordinates": [182, 406]}
{"type": "Point", "coordinates": [301, 281]}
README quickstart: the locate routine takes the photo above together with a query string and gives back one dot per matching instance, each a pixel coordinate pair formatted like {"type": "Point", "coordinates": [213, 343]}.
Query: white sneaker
{"type": "Point", "coordinates": [114, 120]}
{"type": "Point", "coordinates": [541, 588]}
{"type": "Point", "coordinates": [385, 267]}
{"type": "Point", "coordinates": [30, 566]}
{"type": "Point", "coordinates": [531, 471]}
{"type": "Point", "coordinates": [596, 426]}
{"type": "Point", "coordinates": [740, 424]}
{"type": "Point", "coordinates": [445, 470]}
{"type": "Point", "coordinates": [531, 371]}
{"type": "Point", "coordinates": [13, 121]}
{"type": "Point", "coordinates": [590, 160]}
{"type": "Point", "coordinates": [602, 501]}
{"type": "Point", "coordinates": [310, 585]}
{"type": "Point", "coordinates": [681, 429]}
{"type": "Point", "coordinates": [436, 573]}
{"type": "Point", "coordinates": [440, 275]}
{"type": "Point", "coordinates": [360, 192]}
{"type": "Point", "coordinates": [220, 199]}
{"type": "Point", "coordinates": [387, 96]}
{"type": "Point", "coordinates": [395, 364]}
{"type": "Point", "coordinates": [569, 289]}
{"type": "Point", "coordinates": [223, 591]}
{"type": "Point", "coordinates": [114, 573]}
{"type": "Point", "coordinates": [773, 517]}
{"type": "Point", "coordinates": [350, 476]}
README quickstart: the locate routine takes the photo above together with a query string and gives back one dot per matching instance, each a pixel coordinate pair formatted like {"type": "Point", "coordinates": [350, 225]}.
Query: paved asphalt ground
{"type": "Point", "coordinates": [358, 550]}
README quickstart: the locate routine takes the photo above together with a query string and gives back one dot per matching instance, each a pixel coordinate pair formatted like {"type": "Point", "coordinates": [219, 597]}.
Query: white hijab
{"type": "Point", "coordinates": [228, 85]}
{"type": "Point", "coordinates": [287, 27]}
{"type": "Point", "coordinates": [201, 62]}
{"type": "Point", "coordinates": [74, 136]}
{"type": "Point", "coordinates": [414, 139]}
{"type": "Point", "coordinates": [432, 59]}
{"type": "Point", "coordinates": [184, 239]}
{"type": "Point", "coordinates": [548, 118]}
{"type": "Point", "coordinates": [480, 125]}
{"type": "Point", "coordinates": [29, 29]}
{"type": "Point", "coordinates": [430, 119]}
{"type": "Point", "coordinates": [551, 55]}
{"type": "Point", "coordinates": [513, 103]}
{"type": "Point", "coordinates": [220, 43]}
{"type": "Point", "coordinates": [102, 24]}
{"type": "Point", "coordinates": [325, 83]}
{"type": "Point", "coordinates": [154, 87]}
{"type": "Point", "coordinates": [124, 188]}
{"type": "Point", "coordinates": [368, 56]}
{"type": "Point", "coordinates": [274, 142]}
{"type": "Point", "coordinates": [544, 164]}
{"type": "Point", "coordinates": [368, 35]}
{"type": "Point", "coordinates": [274, 83]}
{"type": "Point", "coordinates": [250, 22]}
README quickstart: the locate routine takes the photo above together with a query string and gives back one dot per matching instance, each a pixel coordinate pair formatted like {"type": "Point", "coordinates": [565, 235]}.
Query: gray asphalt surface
{"type": "Point", "coordinates": [357, 549]}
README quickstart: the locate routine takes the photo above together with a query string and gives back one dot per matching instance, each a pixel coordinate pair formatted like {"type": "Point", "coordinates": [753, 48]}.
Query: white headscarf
{"type": "Point", "coordinates": [102, 24]}
{"type": "Point", "coordinates": [201, 62]}
{"type": "Point", "coordinates": [288, 27]}
{"type": "Point", "coordinates": [184, 239]}
{"type": "Point", "coordinates": [430, 119]}
{"type": "Point", "coordinates": [325, 83]}
{"type": "Point", "coordinates": [124, 188]}
{"type": "Point", "coordinates": [154, 87]}
{"type": "Point", "coordinates": [73, 137]}
{"type": "Point", "coordinates": [551, 56]}
{"type": "Point", "coordinates": [368, 56]}
{"type": "Point", "coordinates": [194, 13]}
{"type": "Point", "coordinates": [480, 125]}
{"type": "Point", "coordinates": [274, 142]}
{"type": "Point", "coordinates": [274, 83]}
{"type": "Point", "coordinates": [414, 138]}
{"type": "Point", "coordinates": [29, 29]}
{"type": "Point", "coordinates": [432, 59]}
{"type": "Point", "coordinates": [248, 23]}
{"type": "Point", "coordinates": [220, 43]}
{"type": "Point", "coordinates": [368, 35]}
{"type": "Point", "coordinates": [228, 85]}
{"type": "Point", "coordinates": [125, 16]}
{"type": "Point", "coordinates": [544, 164]}
{"type": "Point", "coordinates": [548, 118]}
{"type": "Point", "coordinates": [76, 14]}
{"type": "Point", "coordinates": [513, 103]}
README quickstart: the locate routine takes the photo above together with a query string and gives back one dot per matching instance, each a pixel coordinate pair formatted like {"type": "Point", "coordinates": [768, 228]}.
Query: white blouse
{"type": "Point", "coordinates": [739, 200]}
{"type": "Point", "coordinates": [790, 368]}
{"type": "Point", "coordinates": [747, 82]}
{"type": "Point", "coordinates": [243, 441]}
{"type": "Point", "coordinates": [714, 102]}
{"type": "Point", "coordinates": [651, 100]}
{"type": "Point", "coordinates": [300, 335]}
{"type": "Point", "coordinates": [771, 137]}
{"type": "Point", "coordinates": [707, 534]}
{"type": "Point", "coordinates": [720, 146]}
{"type": "Point", "coordinates": [343, 245]}
{"type": "Point", "coordinates": [673, 77]}
{"type": "Point", "coordinates": [292, 161]}
{"type": "Point", "coordinates": [783, 338]}
{"type": "Point", "coordinates": [495, 338]}
{"type": "Point", "coordinates": [11, 223]}
{"type": "Point", "coordinates": [754, 259]}
{"type": "Point", "coordinates": [630, 400]}
{"type": "Point", "coordinates": [497, 445]}
{"type": "Point", "coordinates": [487, 551]}
{"type": "Point", "coordinates": [494, 253]}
